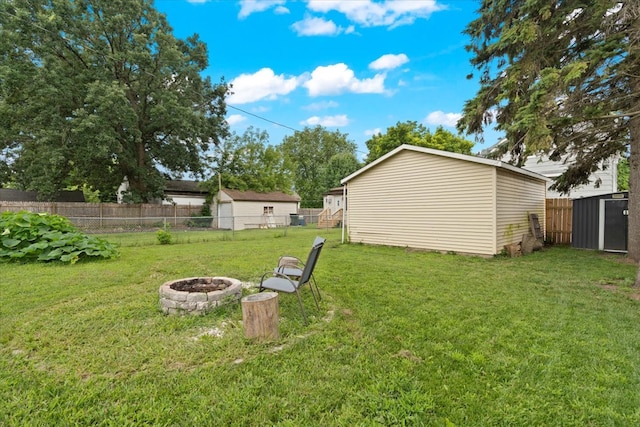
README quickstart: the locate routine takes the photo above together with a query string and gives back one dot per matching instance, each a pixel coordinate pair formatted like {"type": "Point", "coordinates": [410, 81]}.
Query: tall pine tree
{"type": "Point", "coordinates": [562, 77]}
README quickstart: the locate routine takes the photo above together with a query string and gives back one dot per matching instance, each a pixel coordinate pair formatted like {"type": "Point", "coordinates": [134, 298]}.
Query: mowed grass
{"type": "Point", "coordinates": [402, 337]}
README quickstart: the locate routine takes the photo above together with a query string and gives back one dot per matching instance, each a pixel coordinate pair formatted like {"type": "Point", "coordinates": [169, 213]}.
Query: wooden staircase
{"type": "Point", "coordinates": [328, 220]}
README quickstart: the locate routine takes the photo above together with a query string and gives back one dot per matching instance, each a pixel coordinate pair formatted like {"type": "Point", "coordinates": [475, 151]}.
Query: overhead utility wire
{"type": "Point", "coordinates": [144, 71]}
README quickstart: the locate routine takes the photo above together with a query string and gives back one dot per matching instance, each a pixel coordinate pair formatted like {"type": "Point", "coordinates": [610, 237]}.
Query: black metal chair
{"type": "Point", "coordinates": [288, 278]}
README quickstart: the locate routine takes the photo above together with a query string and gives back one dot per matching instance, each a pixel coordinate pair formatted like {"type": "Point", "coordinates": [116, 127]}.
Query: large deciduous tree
{"type": "Point", "coordinates": [248, 162]}
{"type": "Point", "coordinates": [93, 91]}
{"type": "Point", "coordinates": [413, 133]}
{"type": "Point", "coordinates": [317, 158]}
{"type": "Point", "coordinates": [562, 77]}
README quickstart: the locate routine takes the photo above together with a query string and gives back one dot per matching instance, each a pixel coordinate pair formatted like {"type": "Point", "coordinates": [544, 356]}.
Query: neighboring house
{"type": "Point", "coordinates": [9, 194]}
{"type": "Point", "coordinates": [176, 192]}
{"type": "Point", "coordinates": [238, 210]}
{"type": "Point", "coordinates": [181, 192]}
{"type": "Point", "coordinates": [332, 208]}
{"type": "Point", "coordinates": [607, 174]}
{"type": "Point", "coordinates": [438, 200]}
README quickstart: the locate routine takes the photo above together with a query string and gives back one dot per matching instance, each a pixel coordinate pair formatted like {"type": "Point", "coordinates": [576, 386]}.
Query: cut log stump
{"type": "Point", "coordinates": [260, 316]}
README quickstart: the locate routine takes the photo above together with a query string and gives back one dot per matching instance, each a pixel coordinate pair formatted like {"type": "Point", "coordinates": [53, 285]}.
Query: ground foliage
{"type": "Point", "coordinates": [402, 338]}
{"type": "Point", "coordinates": [31, 237]}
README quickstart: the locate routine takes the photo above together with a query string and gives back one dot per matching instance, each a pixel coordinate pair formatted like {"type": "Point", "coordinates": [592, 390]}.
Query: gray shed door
{"type": "Point", "coordinates": [616, 219]}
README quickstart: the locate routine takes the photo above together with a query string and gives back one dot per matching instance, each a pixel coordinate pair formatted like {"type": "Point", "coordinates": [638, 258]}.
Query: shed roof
{"type": "Point", "coordinates": [254, 196]}
{"type": "Point", "coordinates": [448, 154]}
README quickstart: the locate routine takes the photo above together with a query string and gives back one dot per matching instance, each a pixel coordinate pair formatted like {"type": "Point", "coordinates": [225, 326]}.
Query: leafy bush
{"type": "Point", "coordinates": [29, 236]}
{"type": "Point", "coordinates": [164, 237]}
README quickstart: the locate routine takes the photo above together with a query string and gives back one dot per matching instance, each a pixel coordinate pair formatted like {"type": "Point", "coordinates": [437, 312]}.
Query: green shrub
{"type": "Point", "coordinates": [28, 236]}
{"type": "Point", "coordinates": [164, 237]}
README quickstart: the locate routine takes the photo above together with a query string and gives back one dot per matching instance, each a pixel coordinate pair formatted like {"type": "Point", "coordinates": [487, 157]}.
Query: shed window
{"type": "Point", "coordinates": [267, 210]}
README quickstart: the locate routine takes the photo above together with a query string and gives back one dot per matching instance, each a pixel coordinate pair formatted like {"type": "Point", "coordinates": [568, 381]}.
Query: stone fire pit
{"type": "Point", "coordinates": [197, 295]}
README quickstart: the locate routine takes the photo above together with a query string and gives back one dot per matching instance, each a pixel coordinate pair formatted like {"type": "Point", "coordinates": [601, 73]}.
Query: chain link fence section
{"type": "Point", "coordinates": [102, 225]}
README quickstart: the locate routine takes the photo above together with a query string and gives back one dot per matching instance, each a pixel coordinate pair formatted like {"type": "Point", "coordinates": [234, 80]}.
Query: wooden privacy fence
{"type": "Point", "coordinates": [103, 210]}
{"type": "Point", "coordinates": [559, 213]}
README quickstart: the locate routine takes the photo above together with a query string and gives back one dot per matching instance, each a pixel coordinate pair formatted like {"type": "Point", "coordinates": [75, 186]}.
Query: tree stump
{"type": "Point", "coordinates": [260, 316]}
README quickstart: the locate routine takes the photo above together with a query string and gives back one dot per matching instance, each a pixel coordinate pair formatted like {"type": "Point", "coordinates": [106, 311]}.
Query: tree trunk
{"type": "Point", "coordinates": [633, 245]}
{"type": "Point", "coordinates": [260, 316]}
{"type": "Point", "coordinates": [634, 185]}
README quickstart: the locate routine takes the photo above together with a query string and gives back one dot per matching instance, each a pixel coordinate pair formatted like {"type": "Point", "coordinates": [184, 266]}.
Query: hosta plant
{"type": "Point", "coordinates": [28, 236]}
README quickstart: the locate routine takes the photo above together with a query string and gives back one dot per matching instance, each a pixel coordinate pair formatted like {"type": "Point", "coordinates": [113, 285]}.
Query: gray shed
{"type": "Point", "coordinates": [601, 222]}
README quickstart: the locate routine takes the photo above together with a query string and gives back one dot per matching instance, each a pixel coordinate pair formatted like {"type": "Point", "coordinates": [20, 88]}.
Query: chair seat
{"type": "Point", "coordinates": [279, 284]}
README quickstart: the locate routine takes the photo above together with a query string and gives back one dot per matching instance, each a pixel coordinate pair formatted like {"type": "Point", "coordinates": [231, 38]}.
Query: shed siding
{"type": "Point", "coordinates": [250, 214]}
{"type": "Point", "coordinates": [424, 201]}
{"type": "Point", "coordinates": [517, 197]}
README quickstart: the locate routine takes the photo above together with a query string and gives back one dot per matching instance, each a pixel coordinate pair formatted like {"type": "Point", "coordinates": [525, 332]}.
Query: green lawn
{"type": "Point", "coordinates": [403, 337]}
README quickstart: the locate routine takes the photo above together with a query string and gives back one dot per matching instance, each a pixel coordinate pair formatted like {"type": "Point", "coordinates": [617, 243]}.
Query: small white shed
{"type": "Point", "coordinates": [437, 200]}
{"type": "Point", "coordinates": [238, 210]}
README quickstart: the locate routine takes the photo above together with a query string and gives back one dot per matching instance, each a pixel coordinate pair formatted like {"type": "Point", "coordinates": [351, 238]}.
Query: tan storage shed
{"type": "Point", "coordinates": [437, 200]}
{"type": "Point", "coordinates": [239, 210]}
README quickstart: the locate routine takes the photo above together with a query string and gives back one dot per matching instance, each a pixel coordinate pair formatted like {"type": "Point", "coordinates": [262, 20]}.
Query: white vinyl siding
{"type": "Point", "coordinates": [606, 173]}
{"type": "Point", "coordinates": [517, 197]}
{"type": "Point", "coordinates": [242, 214]}
{"type": "Point", "coordinates": [424, 201]}
{"type": "Point", "coordinates": [251, 214]}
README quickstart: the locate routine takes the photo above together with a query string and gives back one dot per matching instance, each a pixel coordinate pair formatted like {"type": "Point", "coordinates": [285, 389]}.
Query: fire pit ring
{"type": "Point", "coordinates": [198, 295]}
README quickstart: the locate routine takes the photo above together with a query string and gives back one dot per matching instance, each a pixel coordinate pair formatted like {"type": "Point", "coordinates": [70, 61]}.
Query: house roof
{"type": "Point", "coordinates": [9, 194]}
{"type": "Point", "coordinates": [254, 196]}
{"type": "Point", "coordinates": [335, 191]}
{"type": "Point", "coordinates": [184, 187]}
{"type": "Point", "coordinates": [448, 154]}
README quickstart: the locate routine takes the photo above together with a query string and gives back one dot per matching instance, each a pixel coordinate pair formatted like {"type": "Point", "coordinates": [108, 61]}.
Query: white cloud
{"type": "Point", "coordinates": [197, 1]}
{"type": "Point", "coordinates": [317, 106]}
{"type": "Point", "coordinates": [281, 10]}
{"type": "Point", "coordinates": [371, 132]}
{"type": "Point", "coordinates": [441, 118]}
{"type": "Point", "coordinates": [263, 84]}
{"type": "Point", "coordinates": [234, 119]}
{"type": "Point", "coordinates": [338, 78]}
{"type": "Point", "coordinates": [247, 7]}
{"type": "Point", "coordinates": [328, 121]}
{"type": "Point", "coordinates": [389, 62]}
{"type": "Point", "coordinates": [316, 27]}
{"type": "Point", "coordinates": [368, 13]}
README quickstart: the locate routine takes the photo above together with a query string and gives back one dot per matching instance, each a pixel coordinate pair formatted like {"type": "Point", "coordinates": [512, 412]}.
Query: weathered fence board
{"type": "Point", "coordinates": [559, 213]}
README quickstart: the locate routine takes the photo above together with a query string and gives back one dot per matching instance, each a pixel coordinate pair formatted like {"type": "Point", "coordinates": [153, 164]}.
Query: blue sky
{"type": "Point", "coordinates": [358, 66]}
